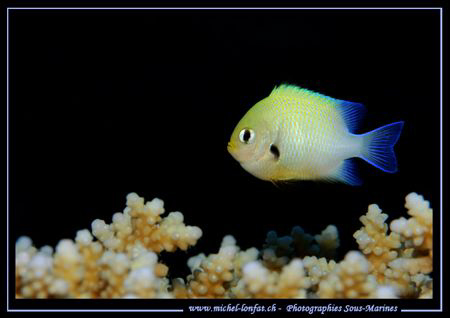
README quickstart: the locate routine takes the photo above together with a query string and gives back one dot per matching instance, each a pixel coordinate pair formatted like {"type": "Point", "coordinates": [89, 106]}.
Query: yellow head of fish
{"type": "Point", "coordinates": [251, 141]}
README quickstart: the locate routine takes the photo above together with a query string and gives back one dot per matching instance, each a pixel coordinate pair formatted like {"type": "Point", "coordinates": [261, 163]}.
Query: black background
{"type": "Point", "coordinates": [103, 103]}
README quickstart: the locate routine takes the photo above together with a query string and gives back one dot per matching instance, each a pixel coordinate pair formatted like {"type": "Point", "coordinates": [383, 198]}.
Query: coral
{"type": "Point", "coordinates": [374, 242]}
{"type": "Point", "coordinates": [213, 276]}
{"type": "Point", "coordinates": [328, 241]}
{"type": "Point", "coordinates": [209, 279]}
{"type": "Point", "coordinates": [122, 263]}
{"type": "Point", "coordinates": [120, 260]}
{"type": "Point", "coordinates": [260, 282]}
{"type": "Point", "coordinates": [34, 277]}
{"type": "Point", "coordinates": [350, 279]}
{"type": "Point", "coordinates": [417, 234]}
{"type": "Point", "coordinates": [424, 284]}
{"type": "Point", "coordinates": [141, 226]}
{"type": "Point", "coordinates": [77, 263]}
{"type": "Point", "coordinates": [317, 268]}
{"type": "Point", "coordinates": [278, 251]}
{"type": "Point", "coordinates": [404, 252]}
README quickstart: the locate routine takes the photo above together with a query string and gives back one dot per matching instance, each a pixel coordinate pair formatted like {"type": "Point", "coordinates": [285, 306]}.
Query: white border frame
{"type": "Point", "coordinates": [209, 8]}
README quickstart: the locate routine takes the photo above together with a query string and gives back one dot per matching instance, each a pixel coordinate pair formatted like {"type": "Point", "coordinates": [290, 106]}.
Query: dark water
{"type": "Point", "coordinates": [104, 103]}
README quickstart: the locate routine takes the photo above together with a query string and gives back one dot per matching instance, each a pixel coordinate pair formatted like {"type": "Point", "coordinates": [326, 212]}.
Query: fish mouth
{"type": "Point", "coordinates": [232, 149]}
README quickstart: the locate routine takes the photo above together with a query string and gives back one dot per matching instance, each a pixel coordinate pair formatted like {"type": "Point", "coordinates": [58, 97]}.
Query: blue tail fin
{"type": "Point", "coordinates": [378, 146]}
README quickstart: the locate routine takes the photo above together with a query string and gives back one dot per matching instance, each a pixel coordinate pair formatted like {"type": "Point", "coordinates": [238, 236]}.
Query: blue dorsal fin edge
{"type": "Point", "coordinates": [352, 113]}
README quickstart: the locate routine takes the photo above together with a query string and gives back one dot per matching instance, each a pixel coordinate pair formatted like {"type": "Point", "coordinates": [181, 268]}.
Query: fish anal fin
{"type": "Point", "coordinates": [346, 172]}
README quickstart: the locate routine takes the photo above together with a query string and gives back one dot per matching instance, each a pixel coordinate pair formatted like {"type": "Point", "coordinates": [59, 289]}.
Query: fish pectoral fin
{"type": "Point", "coordinates": [280, 183]}
{"type": "Point", "coordinates": [346, 172]}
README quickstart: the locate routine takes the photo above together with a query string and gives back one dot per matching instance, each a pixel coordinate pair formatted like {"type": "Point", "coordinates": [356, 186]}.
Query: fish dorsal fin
{"type": "Point", "coordinates": [351, 113]}
{"type": "Point", "coordinates": [298, 92]}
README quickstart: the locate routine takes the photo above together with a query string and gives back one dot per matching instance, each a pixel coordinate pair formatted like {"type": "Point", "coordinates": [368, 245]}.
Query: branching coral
{"type": "Point", "coordinates": [349, 279]}
{"type": "Point", "coordinates": [406, 251]}
{"type": "Point", "coordinates": [316, 269]}
{"type": "Point", "coordinates": [278, 251]}
{"type": "Point", "coordinates": [260, 282]}
{"type": "Point", "coordinates": [374, 242]}
{"type": "Point", "coordinates": [328, 242]}
{"type": "Point", "coordinates": [417, 234]}
{"type": "Point", "coordinates": [424, 284]}
{"type": "Point", "coordinates": [141, 226]}
{"type": "Point", "coordinates": [123, 261]}
{"type": "Point", "coordinates": [213, 276]}
{"type": "Point", "coordinates": [34, 268]}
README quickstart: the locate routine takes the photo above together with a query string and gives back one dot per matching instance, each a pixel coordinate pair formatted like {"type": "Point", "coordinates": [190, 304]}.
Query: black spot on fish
{"type": "Point", "coordinates": [274, 150]}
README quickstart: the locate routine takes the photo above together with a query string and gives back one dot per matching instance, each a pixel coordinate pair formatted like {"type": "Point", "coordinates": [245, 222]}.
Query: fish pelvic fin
{"type": "Point", "coordinates": [378, 146]}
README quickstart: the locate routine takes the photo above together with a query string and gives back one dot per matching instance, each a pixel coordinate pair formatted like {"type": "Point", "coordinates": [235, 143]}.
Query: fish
{"type": "Point", "coordinates": [298, 134]}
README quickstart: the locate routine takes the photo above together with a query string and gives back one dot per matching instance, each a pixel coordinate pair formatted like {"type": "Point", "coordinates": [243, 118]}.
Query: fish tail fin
{"type": "Point", "coordinates": [378, 146]}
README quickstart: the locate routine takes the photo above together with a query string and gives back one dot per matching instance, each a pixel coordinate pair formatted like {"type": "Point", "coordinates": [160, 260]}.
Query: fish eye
{"type": "Point", "coordinates": [246, 136]}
